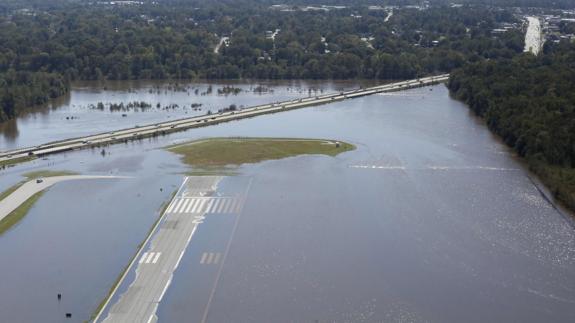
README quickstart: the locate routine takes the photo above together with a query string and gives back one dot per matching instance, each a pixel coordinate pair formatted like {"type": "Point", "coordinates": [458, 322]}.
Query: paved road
{"type": "Point", "coordinates": [533, 37]}
{"type": "Point", "coordinates": [24, 192]}
{"type": "Point", "coordinates": [223, 40]}
{"type": "Point", "coordinates": [155, 266]}
{"type": "Point", "coordinates": [201, 121]}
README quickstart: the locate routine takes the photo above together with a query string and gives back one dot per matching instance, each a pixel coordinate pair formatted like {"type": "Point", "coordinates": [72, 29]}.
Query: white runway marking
{"type": "Point", "coordinates": [177, 204]}
{"type": "Point", "coordinates": [217, 258]}
{"type": "Point", "coordinates": [144, 256]}
{"type": "Point", "coordinates": [204, 256]}
{"type": "Point", "coordinates": [151, 255]}
{"type": "Point", "coordinates": [171, 206]}
{"type": "Point", "coordinates": [156, 257]}
{"type": "Point", "coordinates": [214, 205]}
{"type": "Point", "coordinates": [183, 207]}
{"type": "Point", "coordinates": [210, 258]}
{"type": "Point", "coordinates": [200, 207]}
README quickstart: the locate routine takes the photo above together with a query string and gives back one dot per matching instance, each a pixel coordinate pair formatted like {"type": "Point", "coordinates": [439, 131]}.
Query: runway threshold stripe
{"type": "Point", "coordinates": [209, 204]}
{"type": "Point", "coordinates": [203, 260]}
{"type": "Point", "coordinates": [197, 204]}
{"type": "Point", "coordinates": [224, 207]}
{"type": "Point", "coordinates": [183, 207]}
{"type": "Point", "coordinates": [156, 257]}
{"type": "Point", "coordinates": [227, 203]}
{"type": "Point", "coordinates": [210, 257]}
{"type": "Point", "coordinates": [192, 202]}
{"type": "Point", "coordinates": [150, 257]}
{"type": "Point", "coordinates": [143, 257]}
{"type": "Point", "coordinates": [180, 201]}
{"type": "Point", "coordinates": [213, 206]}
{"type": "Point", "coordinates": [200, 206]}
{"type": "Point", "coordinates": [217, 258]}
{"type": "Point", "coordinates": [218, 206]}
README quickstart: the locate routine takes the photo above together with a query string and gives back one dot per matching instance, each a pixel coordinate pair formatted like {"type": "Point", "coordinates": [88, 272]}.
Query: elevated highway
{"type": "Point", "coordinates": [163, 128]}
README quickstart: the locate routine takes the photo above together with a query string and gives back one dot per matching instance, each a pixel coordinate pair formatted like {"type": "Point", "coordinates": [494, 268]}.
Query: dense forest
{"type": "Point", "coordinates": [530, 102]}
{"type": "Point", "coordinates": [53, 43]}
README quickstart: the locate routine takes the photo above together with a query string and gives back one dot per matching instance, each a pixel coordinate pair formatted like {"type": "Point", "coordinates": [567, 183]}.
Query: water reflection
{"type": "Point", "coordinates": [429, 220]}
{"type": "Point", "coordinates": [96, 106]}
{"type": "Point", "coordinates": [9, 130]}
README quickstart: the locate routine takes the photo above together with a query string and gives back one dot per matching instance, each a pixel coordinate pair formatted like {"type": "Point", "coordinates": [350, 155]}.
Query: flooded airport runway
{"type": "Point", "coordinates": [431, 219]}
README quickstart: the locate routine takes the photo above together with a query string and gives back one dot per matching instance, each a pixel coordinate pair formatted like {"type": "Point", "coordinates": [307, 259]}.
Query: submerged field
{"type": "Point", "coordinates": [236, 151]}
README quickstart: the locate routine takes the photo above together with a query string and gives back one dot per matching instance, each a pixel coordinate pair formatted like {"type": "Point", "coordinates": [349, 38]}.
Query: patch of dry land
{"type": "Point", "coordinates": [217, 152]}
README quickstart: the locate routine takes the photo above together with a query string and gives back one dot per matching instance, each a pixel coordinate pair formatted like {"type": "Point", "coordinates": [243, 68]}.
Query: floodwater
{"type": "Point", "coordinates": [431, 219]}
{"type": "Point", "coordinates": [78, 114]}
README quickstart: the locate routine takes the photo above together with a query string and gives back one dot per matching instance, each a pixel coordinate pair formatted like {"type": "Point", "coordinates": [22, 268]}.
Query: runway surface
{"type": "Point", "coordinates": [197, 199]}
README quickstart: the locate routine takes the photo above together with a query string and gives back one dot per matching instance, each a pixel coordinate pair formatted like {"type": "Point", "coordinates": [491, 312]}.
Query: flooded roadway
{"type": "Point", "coordinates": [431, 219]}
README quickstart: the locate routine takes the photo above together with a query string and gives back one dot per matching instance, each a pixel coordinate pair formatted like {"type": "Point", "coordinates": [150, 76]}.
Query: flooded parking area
{"type": "Point", "coordinates": [430, 219]}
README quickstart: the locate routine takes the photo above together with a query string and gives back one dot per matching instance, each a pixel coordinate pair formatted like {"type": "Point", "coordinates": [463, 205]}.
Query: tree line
{"type": "Point", "coordinates": [58, 43]}
{"type": "Point", "coordinates": [530, 102]}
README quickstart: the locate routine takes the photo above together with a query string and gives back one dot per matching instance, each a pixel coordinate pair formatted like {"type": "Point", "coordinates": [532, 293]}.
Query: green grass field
{"type": "Point", "coordinates": [217, 152]}
{"type": "Point", "coordinates": [48, 173]}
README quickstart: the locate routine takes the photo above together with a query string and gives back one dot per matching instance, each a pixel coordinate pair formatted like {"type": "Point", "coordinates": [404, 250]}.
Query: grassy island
{"type": "Point", "coordinates": [217, 152]}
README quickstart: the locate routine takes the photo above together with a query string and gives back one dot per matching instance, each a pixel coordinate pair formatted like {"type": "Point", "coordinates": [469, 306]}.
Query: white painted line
{"type": "Point", "coordinates": [156, 257]}
{"type": "Point", "coordinates": [192, 203]}
{"type": "Point", "coordinates": [180, 201]}
{"type": "Point", "coordinates": [210, 207]}
{"type": "Point", "coordinates": [187, 244]}
{"type": "Point", "coordinates": [143, 257]}
{"type": "Point", "coordinates": [217, 205]}
{"type": "Point", "coordinates": [150, 257]}
{"type": "Point", "coordinates": [205, 206]}
{"type": "Point", "coordinates": [217, 258]}
{"type": "Point", "coordinates": [181, 209]}
{"type": "Point", "coordinates": [192, 206]}
{"type": "Point", "coordinates": [169, 209]}
{"type": "Point", "coordinates": [204, 256]}
{"type": "Point", "coordinates": [197, 203]}
{"type": "Point", "coordinates": [201, 206]}
{"type": "Point", "coordinates": [210, 258]}
{"type": "Point", "coordinates": [225, 205]}
{"type": "Point", "coordinates": [165, 289]}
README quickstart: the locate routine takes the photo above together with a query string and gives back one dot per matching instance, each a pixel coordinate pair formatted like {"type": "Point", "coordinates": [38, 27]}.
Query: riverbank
{"type": "Point", "coordinates": [559, 180]}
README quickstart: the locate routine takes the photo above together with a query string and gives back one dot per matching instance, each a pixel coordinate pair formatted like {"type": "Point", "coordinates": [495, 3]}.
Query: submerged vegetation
{"type": "Point", "coordinates": [218, 152]}
{"type": "Point", "coordinates": [530, 102]}
{"type": "Point", "coordinates": [48, 173]}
